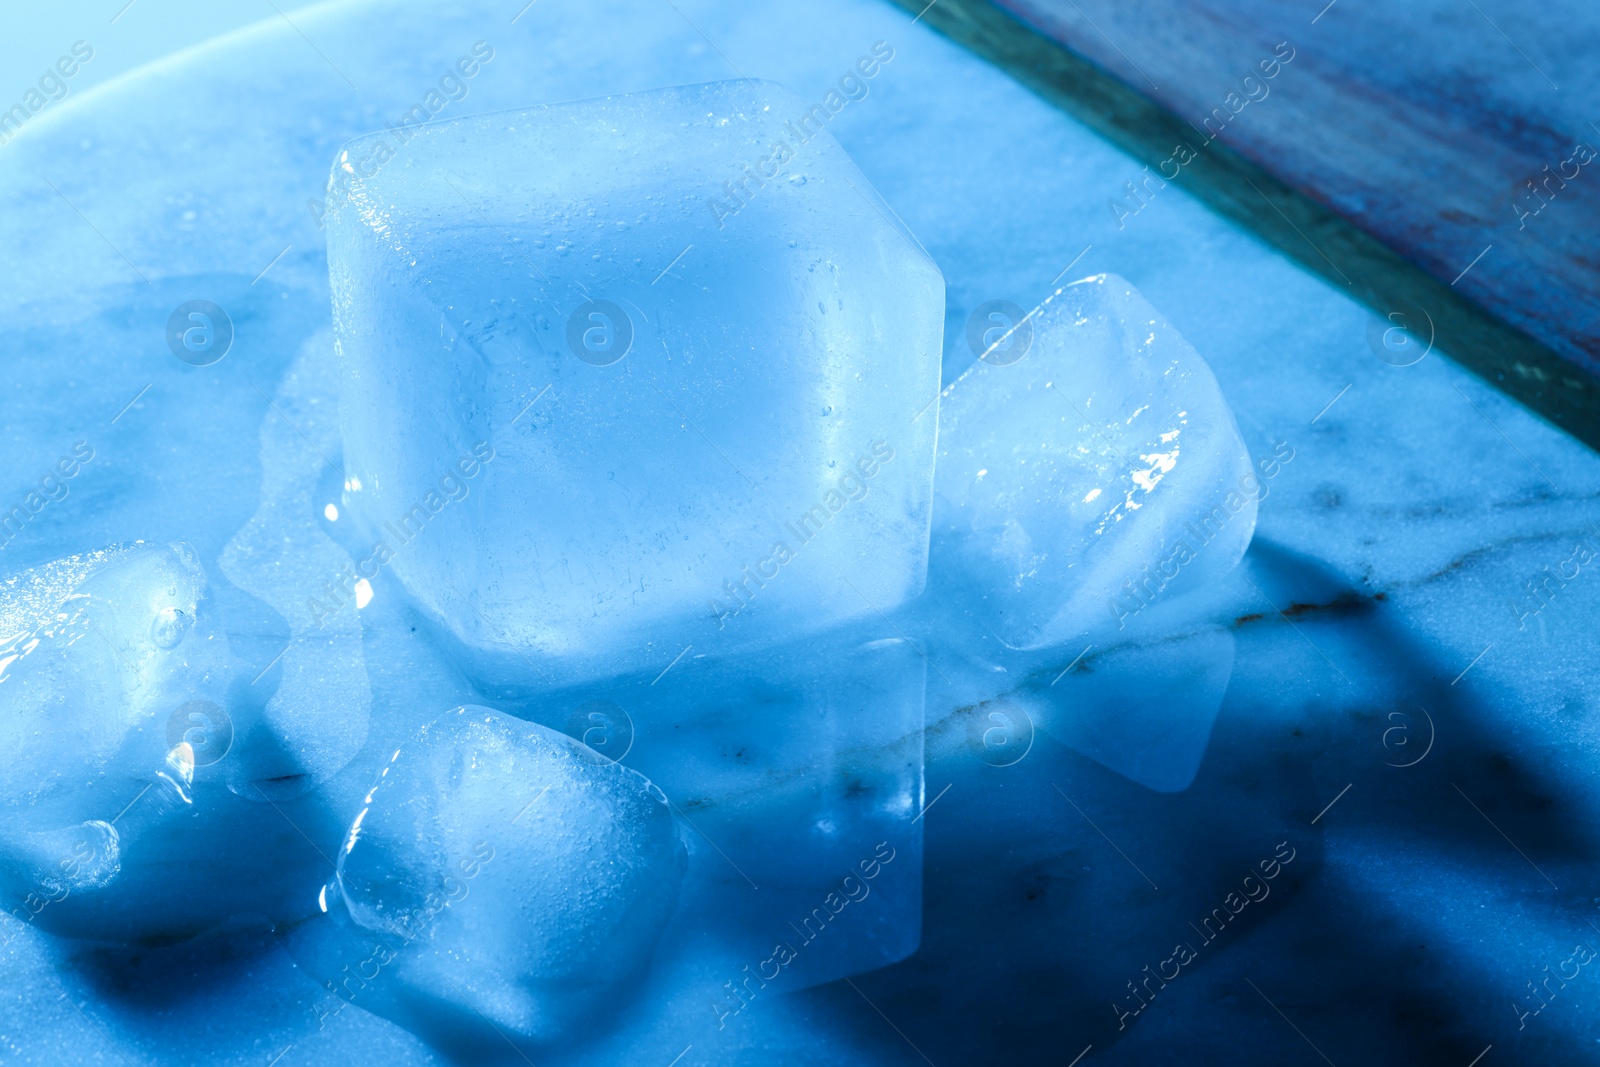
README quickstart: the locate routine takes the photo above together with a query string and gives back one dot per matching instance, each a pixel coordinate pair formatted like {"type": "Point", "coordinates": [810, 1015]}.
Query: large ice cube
{"type": "Point", "coordinates": [1089, 469]}
{"type": "Point", "coordinates": [502, 882]}
{"type": "Point", "coordinates": [633, 374]}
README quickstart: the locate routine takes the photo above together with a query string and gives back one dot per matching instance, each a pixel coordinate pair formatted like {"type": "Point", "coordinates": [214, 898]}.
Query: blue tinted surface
{"type": "Point", "coordinates": [1380, 851]}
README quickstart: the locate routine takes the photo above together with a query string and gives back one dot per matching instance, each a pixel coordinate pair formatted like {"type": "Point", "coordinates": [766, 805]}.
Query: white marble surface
{"type": "Point", "coordinates": [1416, 907]}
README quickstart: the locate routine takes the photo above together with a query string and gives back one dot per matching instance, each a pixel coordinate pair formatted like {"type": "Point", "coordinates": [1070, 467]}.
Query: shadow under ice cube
{"type": "Point", "coordinates": [706, 427]}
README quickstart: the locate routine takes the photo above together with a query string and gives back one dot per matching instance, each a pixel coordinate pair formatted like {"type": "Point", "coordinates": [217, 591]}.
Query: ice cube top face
{"type": "Point", "coordinates": [635, 373]}
{"type": "Point", "coordinates": [1088, 468]}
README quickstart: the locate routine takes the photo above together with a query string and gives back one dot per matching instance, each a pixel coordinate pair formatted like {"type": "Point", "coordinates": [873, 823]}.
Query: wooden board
{"type": "Point", "coordinates": [1443, 127]}
{"type": "Point", "coordinates": [1389, 153]}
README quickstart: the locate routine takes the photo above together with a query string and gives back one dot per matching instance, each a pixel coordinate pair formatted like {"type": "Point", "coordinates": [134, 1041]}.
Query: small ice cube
{"type": "Point", "coordinates": [104, 660]}
{"type": "Point", "coordinates": [96, 651]}
{"type": "Point", "coordinates": [1089, 477]}
{"type": "Point", "coordinates": [501, 881]}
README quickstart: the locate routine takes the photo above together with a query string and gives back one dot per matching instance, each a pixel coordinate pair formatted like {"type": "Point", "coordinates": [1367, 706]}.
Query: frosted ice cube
{"type": "Point", "coordinates": [502, 881]}
{"type": "Point", "coordinates": [1089, 468]}
{"type": "Point", "coordinates": [632, 374]}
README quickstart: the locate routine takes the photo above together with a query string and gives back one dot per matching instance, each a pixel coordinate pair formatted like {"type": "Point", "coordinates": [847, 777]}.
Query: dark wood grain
{"type": "Point", "coordinates": [1385, 156]}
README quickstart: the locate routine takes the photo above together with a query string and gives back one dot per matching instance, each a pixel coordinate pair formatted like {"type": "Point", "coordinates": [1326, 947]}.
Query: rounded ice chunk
{"type": "Point", "coordinates": [501, 881]}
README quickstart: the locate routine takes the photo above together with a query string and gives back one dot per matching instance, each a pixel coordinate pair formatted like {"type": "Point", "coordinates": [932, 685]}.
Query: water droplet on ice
{"type": "Point", "coordinates": [168, 627]}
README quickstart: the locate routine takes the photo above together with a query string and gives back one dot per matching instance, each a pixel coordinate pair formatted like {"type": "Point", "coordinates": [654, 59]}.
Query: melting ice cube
{"type": "Point", "coordinates": [618, 382]}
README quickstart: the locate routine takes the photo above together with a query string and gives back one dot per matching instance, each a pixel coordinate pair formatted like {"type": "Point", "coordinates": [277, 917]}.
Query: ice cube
{"type": "Point", "coordinates": [633, 374]}
{"type": "Point", "coordinates": [1089, 468]}
{"type": "Point", "coordinates": [501, 882]}
{"type": "Point", "coordinates": [104, 660]}
{"type": "Point", "coordinates": [96, 652]}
